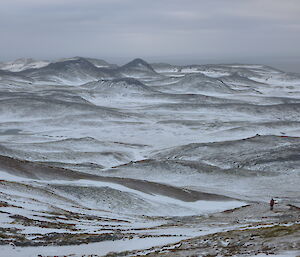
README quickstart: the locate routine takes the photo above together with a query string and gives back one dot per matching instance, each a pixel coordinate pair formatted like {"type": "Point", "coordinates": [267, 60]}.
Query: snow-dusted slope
{"type": "Point", "coordinates": [138, 68]}
{"type": "Point", "coordinates": [74, 71]}
{"type": "Point", "coordinates": [23, 64]}
{"type": "Point", "coordinates": [93, 152]}
{"type": "Point", "coordinates": [99, 63]}
{"type": "Point", "coordinates": [122, 87]}
{"type": "Point", "coordinates": [199, 83]}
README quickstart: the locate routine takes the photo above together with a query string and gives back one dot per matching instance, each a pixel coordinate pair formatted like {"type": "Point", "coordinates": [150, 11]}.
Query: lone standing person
{"type": "Point", "coordinates": [272, 202]}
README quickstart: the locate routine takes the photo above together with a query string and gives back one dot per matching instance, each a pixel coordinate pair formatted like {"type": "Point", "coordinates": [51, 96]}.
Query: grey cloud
{"type": "Point", "coordinates": [220, 30]}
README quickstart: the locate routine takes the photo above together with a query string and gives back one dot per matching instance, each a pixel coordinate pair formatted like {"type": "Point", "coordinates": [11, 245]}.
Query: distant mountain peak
{"type": "Point", "coordinates": [70, 62]}
{"type": "Point", "coordinates": [139, 64]}
{"type": "Point", "coordinates": [99, 63]}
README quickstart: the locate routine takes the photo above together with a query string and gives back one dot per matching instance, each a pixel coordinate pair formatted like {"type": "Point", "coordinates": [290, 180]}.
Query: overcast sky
{"type": "Point", "coordinates": [178, 31]}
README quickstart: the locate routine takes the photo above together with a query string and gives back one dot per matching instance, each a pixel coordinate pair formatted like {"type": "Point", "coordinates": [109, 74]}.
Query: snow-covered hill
{"type": "Point", "coordinates": [140, 153]}
{"type": "Point", "coordinates": [22, 64]}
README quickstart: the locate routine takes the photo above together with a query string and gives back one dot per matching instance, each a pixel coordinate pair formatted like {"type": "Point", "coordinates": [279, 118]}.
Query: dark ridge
{"type": "Point", "coordinates": [67, 64]}
{"type": "Point", "coordinates": [101, 62]}
{"type": "Point", "coordinates": [174, 165]}
{"type": "Point", "coordinates": [249, 153]}
{"type": "Point", "coordinates": [235, 76]}
{"type": "Point", "coordinates": [35, 106]}
{"type": "Point", "coordinates": [128, 81]}
{"type": "Point", "coordinates": [132, 81]}
{"type": "Point", "coordinates": [6, 72]}
{"type": "Point", "coordinates": [10, 75]}
{"type": "Point", "coordinates": [67, 67]}
{"type": "Point", "coordinates": [137, 64]}
{"type": "Point", "coordinates": [200, 77]}
{"type": "Point", "coordinates": [257, 139]}
{"type": "Point", "coordinates": [119, 85]}
{"type": "Point", "coordinates": [35, 170]}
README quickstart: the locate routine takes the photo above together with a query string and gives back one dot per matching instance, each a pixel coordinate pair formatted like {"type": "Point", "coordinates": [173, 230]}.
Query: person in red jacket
{"type": "Point", "coordinates": [272, 202]}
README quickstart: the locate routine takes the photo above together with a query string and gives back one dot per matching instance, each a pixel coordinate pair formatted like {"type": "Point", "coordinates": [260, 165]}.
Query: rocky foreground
{"type": "Point", "coordinates": [246, 231]}
{"type": "Point", "coordinates": [254, 230]}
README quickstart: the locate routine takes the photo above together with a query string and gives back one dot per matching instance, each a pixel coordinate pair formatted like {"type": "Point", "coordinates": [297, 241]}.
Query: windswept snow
{"type": "Point", "coordinates": [23, 64]}
{"type": "Point", "coordinates": [138, 156]}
